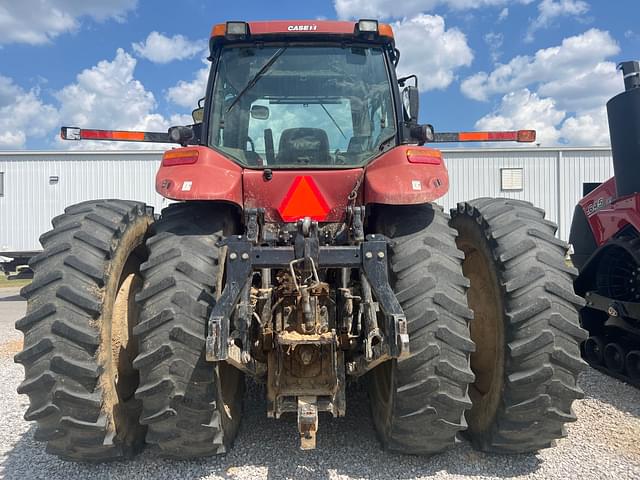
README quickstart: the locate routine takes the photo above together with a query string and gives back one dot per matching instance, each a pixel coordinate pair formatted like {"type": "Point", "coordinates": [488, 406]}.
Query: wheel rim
{"type": "Point", "coordinates": [123, 348]}
{"type": "Point", "coordinates": [487, 330]}
{"type": "Point", "coordinates": [117, 350]}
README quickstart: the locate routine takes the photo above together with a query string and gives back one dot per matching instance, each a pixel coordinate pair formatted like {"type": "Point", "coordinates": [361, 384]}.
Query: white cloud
{"type": "Point", "coordinates": [523, 109]}
{"type": "Point", "coordinates": [494, 41]}
{"type": "Point", "coordinates": [504, 13]}
{"type": "Point", "coordinates": [108, 96]}
{"type": "Point", "coordinates": [22, 114]}
{"type": "Point", "coordinates": [577, 58]}
{"type": "Point", "coordinates": [105, 96]}
{"type": "Point", "coordinates": [395, 9]}
{"type": "Point", "coordinates": [584, 89]}
{"type": "Point", "coordinates": [431, 51]}
{"type": "Point", "coordinates": [38, 21]}
{"type": "Point", "coordinates": [561, 91]}
{"type": "Point", "coordinates": [186, 94]}
{"type": "Point", "coordinates": [159, 48]}
{"type": "Point", "coordinates": [549, 10]}
{"type": "Point", "coordinates": [631, 35]}
{"type": "Point", "coordinates": [588, 128]}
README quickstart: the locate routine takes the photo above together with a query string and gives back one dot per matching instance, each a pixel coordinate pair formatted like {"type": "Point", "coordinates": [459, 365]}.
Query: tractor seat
{"type": "Point", "coordinates": [304, 146]}
{"type": "Point", "coordinates": [358, 144]}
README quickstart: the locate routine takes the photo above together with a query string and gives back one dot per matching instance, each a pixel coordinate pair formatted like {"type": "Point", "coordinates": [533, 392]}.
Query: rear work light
{"type": "Point", "coordinates": [237, 29]}
{"type": "Point", "coordinates": [180, 157]}
{"type": "Point", "coordinates": [368, 26]}
{"type": "Point", "coordinates": [428, 157]}
{"type": "Point", "coordinates": [372, 29]}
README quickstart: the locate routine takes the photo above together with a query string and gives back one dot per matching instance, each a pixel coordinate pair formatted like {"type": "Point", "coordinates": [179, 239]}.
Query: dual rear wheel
{"type": "Point", "coordinates": [117, 311]}
{"type": "Point", "coordinates": [114, 333]}
{"type": "Point", "coordinates": [504, 358]}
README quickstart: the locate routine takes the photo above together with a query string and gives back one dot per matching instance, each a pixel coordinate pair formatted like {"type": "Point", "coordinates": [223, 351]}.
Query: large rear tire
{"type": "Point", "coordinates": [192, 407]}
{"type": "Point", "coordinates": [525, 326]}
{"type": "Point", "coordinates": [418, 403]}
{"type": "Point", "coordinates": [78, 346]}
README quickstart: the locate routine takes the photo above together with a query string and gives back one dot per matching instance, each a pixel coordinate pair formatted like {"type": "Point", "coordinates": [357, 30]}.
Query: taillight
{"type": "Point", "coordinates": [527, 136]}
{"type": "Point", "coordinates": [179, 157]}
{"type": "Point", "coordinates": [425, 156]}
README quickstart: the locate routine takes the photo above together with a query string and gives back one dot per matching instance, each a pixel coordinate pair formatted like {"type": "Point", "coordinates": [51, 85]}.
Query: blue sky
{"type": "Point", "coordinates": [490, 64]}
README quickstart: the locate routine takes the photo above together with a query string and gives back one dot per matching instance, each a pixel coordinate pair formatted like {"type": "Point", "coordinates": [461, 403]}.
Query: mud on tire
{"type": "Point", "coordinates": [526, 327]}
{"type": "Point", "coordinates": [77, 349]}
{"type": "Point", "coordinates": [191, 407]}
{"type": "Point", "coordinates": [418, 404]}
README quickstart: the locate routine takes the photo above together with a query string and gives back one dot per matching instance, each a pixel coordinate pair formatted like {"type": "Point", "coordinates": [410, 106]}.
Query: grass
{"type": "Point", "coordinates": [4, 283]}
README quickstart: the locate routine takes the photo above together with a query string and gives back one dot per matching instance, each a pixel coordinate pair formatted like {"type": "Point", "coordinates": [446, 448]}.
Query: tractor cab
{"type": "Point", "coordinates": [303, 95]}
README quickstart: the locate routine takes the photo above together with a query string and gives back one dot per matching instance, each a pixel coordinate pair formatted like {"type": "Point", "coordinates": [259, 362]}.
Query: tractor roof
{"type": "Point", "coordinates": [369, 30]}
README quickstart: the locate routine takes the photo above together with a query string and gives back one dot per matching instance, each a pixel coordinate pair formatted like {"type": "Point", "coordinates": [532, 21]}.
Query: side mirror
{"type": "Point", "coordinates": [411, 102]}
{"type": "Point", "coordinates": [423, 133]}
{"type": "Point", "coordinates": [181, 135]}
{"type": "Point", "coordinates": [198, 113]}
{"type": "Point", "coordinates": [260, 112]}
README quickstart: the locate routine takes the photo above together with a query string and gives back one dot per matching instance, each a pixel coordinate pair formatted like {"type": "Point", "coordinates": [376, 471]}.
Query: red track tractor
{"type": "Point", "coordinates": [304, 251]}
{"type": "Point", "coordinates": [605, 234]}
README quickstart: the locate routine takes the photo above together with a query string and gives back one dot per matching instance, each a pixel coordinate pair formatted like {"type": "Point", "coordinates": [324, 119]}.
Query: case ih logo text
{"type": "Point", "coordinates": [299, 28]}
{"type": "Point", "coordinates": [598, 204]}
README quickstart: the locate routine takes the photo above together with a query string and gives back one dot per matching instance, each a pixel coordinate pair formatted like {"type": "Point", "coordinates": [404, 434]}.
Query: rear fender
{"type": "Point", "coordinates": [208, 176]}
{"type": "Point", "coordinates": [392, 180]}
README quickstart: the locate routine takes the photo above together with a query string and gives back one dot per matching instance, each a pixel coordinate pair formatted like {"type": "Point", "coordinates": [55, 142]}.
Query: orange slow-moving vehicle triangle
{"type": "Point", "coordinates": [303, 200]}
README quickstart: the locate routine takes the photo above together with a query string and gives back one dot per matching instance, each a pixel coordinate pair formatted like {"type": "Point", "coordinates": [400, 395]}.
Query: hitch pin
{"type": "Point", "coordinates": [307, 422]}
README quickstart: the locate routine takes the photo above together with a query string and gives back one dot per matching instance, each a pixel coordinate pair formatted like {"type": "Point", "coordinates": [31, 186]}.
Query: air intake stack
{"type": "Point", "coordinates": [624, 129]}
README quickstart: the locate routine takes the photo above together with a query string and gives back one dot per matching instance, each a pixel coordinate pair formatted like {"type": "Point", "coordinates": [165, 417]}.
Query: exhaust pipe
{"type": "Point", "coordinates": [593, 348]}
{"type": "Point", "coordinates": [614, 356]}
{"type": "Point", "coordinates": [623, 111]}
{"type": "Point", "coordinates": [632, 364]}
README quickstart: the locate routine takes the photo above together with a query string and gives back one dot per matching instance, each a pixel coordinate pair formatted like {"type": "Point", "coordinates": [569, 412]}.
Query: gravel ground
{"type": "Point", "coordinates": [603, 443]}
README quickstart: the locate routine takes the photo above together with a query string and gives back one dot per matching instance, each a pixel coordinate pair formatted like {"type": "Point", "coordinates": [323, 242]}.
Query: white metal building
{"type": "Point", "coordinates": [36, 186]}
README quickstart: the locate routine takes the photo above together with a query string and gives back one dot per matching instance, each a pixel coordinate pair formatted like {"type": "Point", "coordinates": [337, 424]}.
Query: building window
{"type": "Point", "coordinates": [1, 184]}
{"type": "Point", "coordinates": [589, 187]}
{"type": "Point", "coordinates": [511, 179]}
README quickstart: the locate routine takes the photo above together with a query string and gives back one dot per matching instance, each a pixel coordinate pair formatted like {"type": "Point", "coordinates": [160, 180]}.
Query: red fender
{"type": "Point", "coordinates": [199, 173]}
{"type": "Point", "coordinates": [406, 175]}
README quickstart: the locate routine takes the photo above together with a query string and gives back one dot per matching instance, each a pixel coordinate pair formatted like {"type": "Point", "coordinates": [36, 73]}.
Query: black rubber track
{"type": "Point", "coordinates": [180, 391]}
{"type": "Point", "coordinates": [64, 354]}
{"type": "Point", "coordinates": [593, 320]}
{"type": "Point", "coordinates": [418, 404]}
{"type": "Point", "coordinates": [541, 331]}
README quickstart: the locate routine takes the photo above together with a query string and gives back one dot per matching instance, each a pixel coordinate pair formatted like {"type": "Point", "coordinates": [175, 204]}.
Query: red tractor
{"type": "Point", "coordinates": [605, 234]}
{"type": "Point", "coordinates": [304, 251]}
